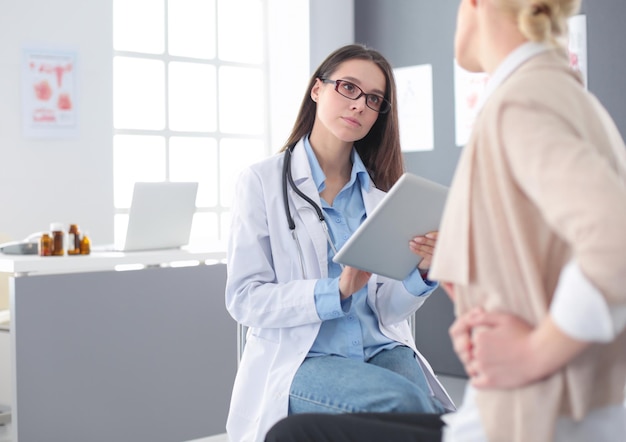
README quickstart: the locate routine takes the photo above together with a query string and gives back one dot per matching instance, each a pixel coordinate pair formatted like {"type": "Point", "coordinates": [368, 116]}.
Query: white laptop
{"type": "Point", "coordinates": [412, 207]}
{"type": "Point", "coordinates": [160, 216]}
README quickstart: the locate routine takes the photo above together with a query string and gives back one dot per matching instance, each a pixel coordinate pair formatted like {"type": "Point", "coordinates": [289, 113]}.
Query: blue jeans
{"type": "Point", "coordinates": [391, 381]}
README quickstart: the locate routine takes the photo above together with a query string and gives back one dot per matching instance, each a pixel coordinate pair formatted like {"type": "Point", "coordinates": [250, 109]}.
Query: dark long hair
{"type": "Point", "coordinates": [380, 148]}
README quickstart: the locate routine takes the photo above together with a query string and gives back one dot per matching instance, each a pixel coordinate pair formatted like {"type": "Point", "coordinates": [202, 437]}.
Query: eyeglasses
{"type": "Point", "coordinates": [353, 92]}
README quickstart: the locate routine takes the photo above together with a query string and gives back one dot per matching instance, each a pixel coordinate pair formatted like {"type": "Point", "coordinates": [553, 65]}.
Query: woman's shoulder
{"type": "Point", "coordinates": [546, 77]}
{"type": "Point", "coordinates": [543, 85]}
{"type": "Point", "coordinates": [267, 166]}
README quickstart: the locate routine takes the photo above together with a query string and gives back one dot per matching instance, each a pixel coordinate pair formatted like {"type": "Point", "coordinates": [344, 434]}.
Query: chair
{"type": "Point", "coordinates": [242, 331]}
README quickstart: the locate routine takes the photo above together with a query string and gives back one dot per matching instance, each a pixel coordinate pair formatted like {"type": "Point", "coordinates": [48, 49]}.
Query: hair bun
{"type": "Point", "coordinates": [540, 8]}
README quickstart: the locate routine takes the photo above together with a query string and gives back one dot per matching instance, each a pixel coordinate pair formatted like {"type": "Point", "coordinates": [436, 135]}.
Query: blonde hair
{"type": "Point", "coordinates": [542, 21]}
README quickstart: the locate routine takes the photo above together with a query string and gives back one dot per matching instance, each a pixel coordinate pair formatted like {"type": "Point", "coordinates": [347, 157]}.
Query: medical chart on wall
{"type": "Point", "coordinates": [415, 107]}
{"type": "Point", "coordinates": [468, 91]}
{"type": "Point", "coordinates": [577, 45]}
{"type": "Point", "coordinates": [49, 102]}
{"type": "Point", "coordinates": [469, 87]}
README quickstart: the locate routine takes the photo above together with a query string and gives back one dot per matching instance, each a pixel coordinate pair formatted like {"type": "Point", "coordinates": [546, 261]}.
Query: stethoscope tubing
{"type": "Point", "coordinates": [288, 181]}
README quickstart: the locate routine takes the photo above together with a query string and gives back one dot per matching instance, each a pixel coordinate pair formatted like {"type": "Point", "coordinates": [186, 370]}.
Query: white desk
{"type": "Point", "coordinates": [102, 355]}
{"type": "Point", "coordinates": [98, 261]}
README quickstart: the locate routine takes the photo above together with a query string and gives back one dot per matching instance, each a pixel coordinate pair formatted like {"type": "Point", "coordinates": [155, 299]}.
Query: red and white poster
{"type": "Point", "coordinates": [49, 94]}
{"type": "Point", "coordinates": [577, 45]}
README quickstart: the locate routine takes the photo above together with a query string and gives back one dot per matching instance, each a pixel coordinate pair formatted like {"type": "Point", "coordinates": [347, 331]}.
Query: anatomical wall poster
{"type": "Point", "coordinates": [415, 107]}
{"type": "Point", "coordinates": [577, 45]}
{"type": "Point", "coordinates": [468, 92]}
{"type": "Point", "coordinates": [49, 102]}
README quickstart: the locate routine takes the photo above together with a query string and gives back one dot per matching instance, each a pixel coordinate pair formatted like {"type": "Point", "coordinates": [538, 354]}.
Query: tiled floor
{"type": "Point", "coordinates": [455, 387]}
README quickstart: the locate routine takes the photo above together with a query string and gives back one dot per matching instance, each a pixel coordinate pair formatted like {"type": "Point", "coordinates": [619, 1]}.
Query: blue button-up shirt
{"type": "Point", "coordinates": [349, 327]}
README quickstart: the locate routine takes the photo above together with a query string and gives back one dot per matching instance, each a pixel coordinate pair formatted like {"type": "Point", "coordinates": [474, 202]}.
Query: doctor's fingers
{"type": "Point", "coordinates": [429, 239]}
{"type": "Point", "coordinates": [422, 246]}
{"type": "Point", "coordinates": [352, 280]}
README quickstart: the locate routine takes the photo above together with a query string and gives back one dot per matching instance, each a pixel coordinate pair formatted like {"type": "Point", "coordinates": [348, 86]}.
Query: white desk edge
{"type": "Point", "coordinates": [99, 261]}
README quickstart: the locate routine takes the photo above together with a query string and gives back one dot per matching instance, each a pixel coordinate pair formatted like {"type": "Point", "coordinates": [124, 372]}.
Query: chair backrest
{"type": "Point", "coordinates": [242, 330]}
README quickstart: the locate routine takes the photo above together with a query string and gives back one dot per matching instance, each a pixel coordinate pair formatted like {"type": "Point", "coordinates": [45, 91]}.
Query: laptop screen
{"type": "Point", "coordinates": [161, 215]}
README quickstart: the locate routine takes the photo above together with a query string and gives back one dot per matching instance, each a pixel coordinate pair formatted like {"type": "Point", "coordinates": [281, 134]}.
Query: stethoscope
{"type": "Point", "coordinates": [288, 180]}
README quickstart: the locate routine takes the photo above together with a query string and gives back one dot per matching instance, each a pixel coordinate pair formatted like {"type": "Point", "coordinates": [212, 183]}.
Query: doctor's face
{"type": "Point", "coordinates": [349, 119]}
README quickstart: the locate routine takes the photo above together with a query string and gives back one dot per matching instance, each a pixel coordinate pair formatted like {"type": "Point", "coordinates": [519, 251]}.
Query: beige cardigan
{"type": "Point", "coordinates": [541, 181]}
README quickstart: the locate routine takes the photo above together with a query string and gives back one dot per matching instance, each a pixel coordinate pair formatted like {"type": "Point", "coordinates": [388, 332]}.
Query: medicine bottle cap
{"type": "Point", "coordinates": [54, 227]}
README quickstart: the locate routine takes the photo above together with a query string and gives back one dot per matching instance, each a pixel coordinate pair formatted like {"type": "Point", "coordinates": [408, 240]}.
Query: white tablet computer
{"type": "Point", "coordinates": [412, 207]}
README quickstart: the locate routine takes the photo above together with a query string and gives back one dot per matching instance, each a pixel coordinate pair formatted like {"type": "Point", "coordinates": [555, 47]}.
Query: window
{"type": "Point", "coordinates": [190, 100]}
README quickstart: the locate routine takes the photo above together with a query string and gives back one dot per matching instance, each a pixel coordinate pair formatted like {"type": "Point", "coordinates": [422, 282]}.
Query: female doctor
{"type": "Point", "coordinates": [323, 338]}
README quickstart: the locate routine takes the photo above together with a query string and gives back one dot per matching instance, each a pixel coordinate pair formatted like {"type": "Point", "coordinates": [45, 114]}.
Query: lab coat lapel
{"type": "Point", "coordinates": [371, 198]}
{"type": "Point", "coordinates": [301, 172]}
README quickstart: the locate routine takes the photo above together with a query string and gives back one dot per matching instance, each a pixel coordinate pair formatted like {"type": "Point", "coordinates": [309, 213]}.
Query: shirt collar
{"type": "Point", "coordinates": [359, 172]}
{"type": "Point", "coordinates": [509, 65]}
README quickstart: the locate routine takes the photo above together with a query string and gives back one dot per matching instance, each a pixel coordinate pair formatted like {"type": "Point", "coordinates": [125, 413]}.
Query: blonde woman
{"type": "Point", "coordinates": [532, 249]}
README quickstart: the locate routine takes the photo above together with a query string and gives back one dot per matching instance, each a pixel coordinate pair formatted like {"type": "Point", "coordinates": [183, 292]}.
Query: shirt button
{"type": "Point", "coordinates": [335, 313]}
{"type": "Point", "coordinates": [355, 342]}
{"type": "Point", "coordinates": [338, 220]}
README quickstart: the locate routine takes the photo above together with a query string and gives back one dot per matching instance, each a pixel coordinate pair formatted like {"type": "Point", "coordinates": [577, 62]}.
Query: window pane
{"type": "Point", "coordinates": [225, 219]}
{"type": "Point", "coordinates": [138, 26]}
{"type": "Point", "coordinates": [192, 92]}
{"type": "Point", "coordinates": [195, 159]}
{"type": "Point", "coordinates": [191, 28]}
{"type": "Point", "coordinates": [240, 30]}
{"type": "Point", "coordinates": [136, 158]}
{"type": "Point", "coordinates": [120, 227]}
{"type": "Point", "coordinates": [204, 229]}
{"type": "Point", "coordinates": [235, 155]}
{"type": "Point", "coordinates": [138, 93]}
{"type": "Point", "coordinates": [242, 100]}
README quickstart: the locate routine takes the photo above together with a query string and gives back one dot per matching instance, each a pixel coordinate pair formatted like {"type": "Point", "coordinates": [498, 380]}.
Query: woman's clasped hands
{"type": "Point", "coordinates": [495, 348]}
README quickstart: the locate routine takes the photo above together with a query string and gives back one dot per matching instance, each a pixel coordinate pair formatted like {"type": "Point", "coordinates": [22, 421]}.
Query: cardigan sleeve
{"type": "Point", "coordinates": [576, 184]}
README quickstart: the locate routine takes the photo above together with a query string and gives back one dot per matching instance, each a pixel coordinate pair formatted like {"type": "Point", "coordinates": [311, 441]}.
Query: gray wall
{"type": "Point", "coordinates": [413, 32]}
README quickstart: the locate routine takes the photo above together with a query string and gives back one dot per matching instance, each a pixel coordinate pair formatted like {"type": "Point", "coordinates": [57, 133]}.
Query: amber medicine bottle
{"type": "Point", "coordinates": [58, 239]}
{"type": "Point", "coordinates": [85, 244]}
{"type": "Point", "coordinates": [73, 240]}
{"type": "Point", "coordinates": [45, 245]}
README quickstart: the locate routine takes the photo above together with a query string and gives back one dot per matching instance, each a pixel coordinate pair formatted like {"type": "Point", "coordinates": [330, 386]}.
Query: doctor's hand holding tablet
{"type": "Point", "coordinates": [424, 246]}
{"type": "Point", "coordinates": [352, 279]}
{"type": "Point", "coordinates": [401, 232]}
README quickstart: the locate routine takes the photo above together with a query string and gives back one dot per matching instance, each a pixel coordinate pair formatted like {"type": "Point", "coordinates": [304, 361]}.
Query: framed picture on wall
{"type": "Point", "coordinates": [468, 91]}
{"type": "Point", "coordinates": [577, 45]}
{"type": "Point", "coordinates": [415, 107]}
{"type": "Point", "coordinates": [49, 93]}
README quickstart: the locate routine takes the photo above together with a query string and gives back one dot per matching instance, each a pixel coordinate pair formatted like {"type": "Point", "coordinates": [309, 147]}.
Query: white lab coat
{"type": "Point", "coordinates": [266, 291]}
